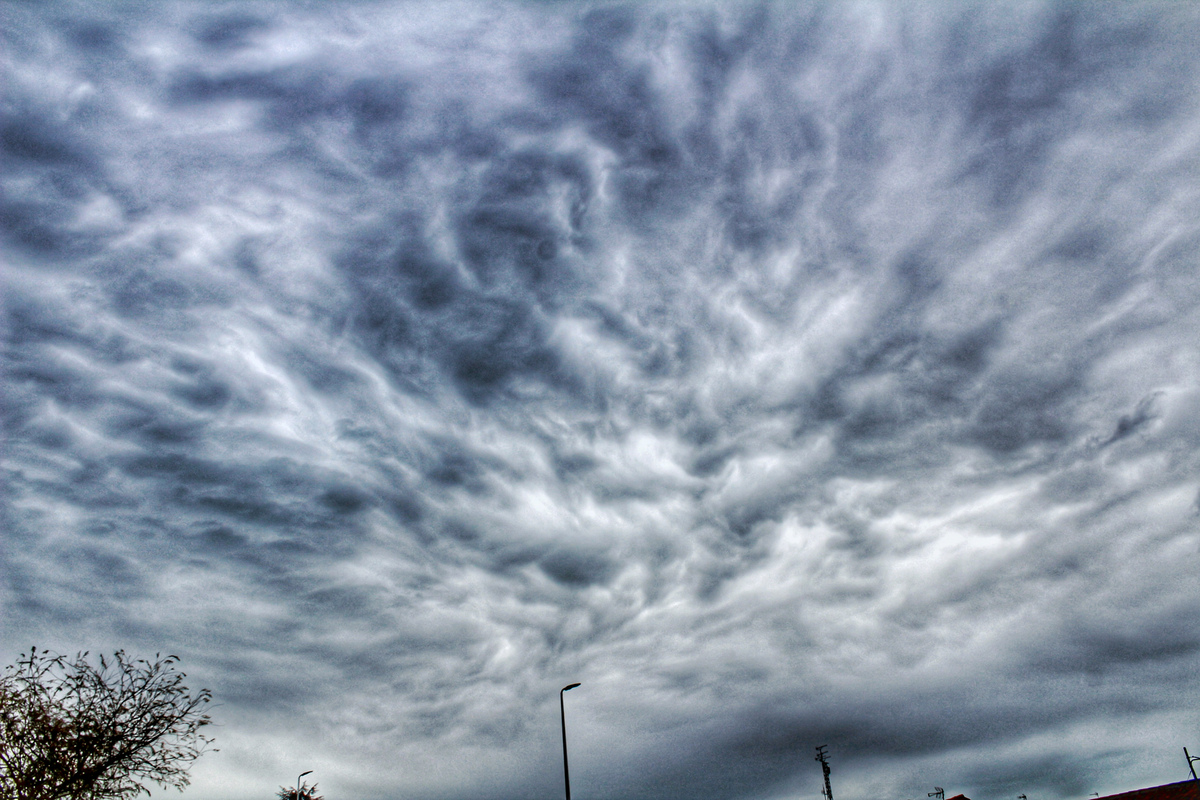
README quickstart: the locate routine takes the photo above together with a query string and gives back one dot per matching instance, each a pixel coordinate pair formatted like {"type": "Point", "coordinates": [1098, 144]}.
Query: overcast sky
{"type": "Point", "coordinates": [788, 375]}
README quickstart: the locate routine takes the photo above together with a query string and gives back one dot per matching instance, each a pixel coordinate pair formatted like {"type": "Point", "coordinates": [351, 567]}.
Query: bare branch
{"type": "Point", "coordinates": [70, 729]}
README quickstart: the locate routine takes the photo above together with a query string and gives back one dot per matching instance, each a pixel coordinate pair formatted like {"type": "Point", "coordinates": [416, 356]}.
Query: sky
{"type": "Point", "coordinates": [786, 374]}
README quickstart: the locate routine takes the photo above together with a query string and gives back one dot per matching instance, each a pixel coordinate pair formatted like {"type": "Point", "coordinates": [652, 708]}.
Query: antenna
{"type": "Point", "coordinates": [1191, 759]}
{"type": "Point", "coordinates": [827, 792]}
{"type": "Point", "coordinates": [937, 792]}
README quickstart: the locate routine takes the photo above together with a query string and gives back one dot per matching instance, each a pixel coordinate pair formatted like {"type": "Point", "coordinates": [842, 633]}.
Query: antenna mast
{"type": "Point", "coordinates": [827, 793]}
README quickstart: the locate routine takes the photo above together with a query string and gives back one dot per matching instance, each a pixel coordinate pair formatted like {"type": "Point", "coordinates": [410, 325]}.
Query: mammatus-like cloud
{"type": "Point", "coordinates": [788, 375]}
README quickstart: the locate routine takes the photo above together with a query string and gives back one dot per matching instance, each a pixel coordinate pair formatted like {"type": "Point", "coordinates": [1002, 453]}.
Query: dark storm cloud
{"type": "Point", "coordinates": [784, 373]}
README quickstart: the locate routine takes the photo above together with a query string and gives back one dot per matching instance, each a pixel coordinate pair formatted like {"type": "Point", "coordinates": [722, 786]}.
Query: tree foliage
{"type": "Point", "coordinates": [69, 729]}
{"type": "Point", "coordinates": [304, 792]}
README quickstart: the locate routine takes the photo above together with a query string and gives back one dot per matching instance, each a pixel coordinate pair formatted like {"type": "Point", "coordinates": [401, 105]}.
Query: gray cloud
{"type": "Point", "coordinates": [789, 375]}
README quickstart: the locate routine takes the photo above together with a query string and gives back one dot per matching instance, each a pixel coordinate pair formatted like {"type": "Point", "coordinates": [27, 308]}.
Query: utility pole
{"type": "Point", "coordinates": [1191, 759]}
{"type": "Point", "coordinates": [827, 792]}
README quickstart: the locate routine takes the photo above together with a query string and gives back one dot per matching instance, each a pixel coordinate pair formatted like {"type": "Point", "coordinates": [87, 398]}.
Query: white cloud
{"type": "Point", "coordinates": [790, 376]}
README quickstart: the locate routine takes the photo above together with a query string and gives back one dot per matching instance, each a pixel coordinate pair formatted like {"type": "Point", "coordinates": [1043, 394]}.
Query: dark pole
{"type": "Point", "coordinates": [822, 757]}
{"type": "Point", "coordinates": [298, 777]}
{"type": "Point", "coordinates": [563, 713]}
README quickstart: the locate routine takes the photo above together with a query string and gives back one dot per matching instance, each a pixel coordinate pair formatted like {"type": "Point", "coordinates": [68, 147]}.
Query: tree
{"type": "Point", "coordinates": [72, 730]}
{"type": "Point", "coordinates": [305, 792]}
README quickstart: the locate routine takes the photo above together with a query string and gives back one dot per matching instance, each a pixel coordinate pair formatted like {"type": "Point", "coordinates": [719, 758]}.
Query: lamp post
{"type": "Point", "coordinates": [298, 777]}
{"type": "Point", "coordinates": [563, 713]}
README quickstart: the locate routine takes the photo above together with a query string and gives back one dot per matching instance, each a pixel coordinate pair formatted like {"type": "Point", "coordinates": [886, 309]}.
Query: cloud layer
{"type": "Point", "coordinates": [789, 375]}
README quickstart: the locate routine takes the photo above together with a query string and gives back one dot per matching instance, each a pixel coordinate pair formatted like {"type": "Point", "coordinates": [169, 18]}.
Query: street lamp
{"type": "Point", "coordinates": [563, 713]}
{"type": "Point", "coordinates": [298, 777]}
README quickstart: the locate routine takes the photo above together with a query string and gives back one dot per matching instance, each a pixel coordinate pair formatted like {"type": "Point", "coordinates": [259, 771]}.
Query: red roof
{"type": "Point", "coordinates": [1184, 790]}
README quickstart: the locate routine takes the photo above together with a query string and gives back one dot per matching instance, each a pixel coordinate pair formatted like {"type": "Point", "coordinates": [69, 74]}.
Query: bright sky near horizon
{"type": "Point", "coordinates": [787, 374]}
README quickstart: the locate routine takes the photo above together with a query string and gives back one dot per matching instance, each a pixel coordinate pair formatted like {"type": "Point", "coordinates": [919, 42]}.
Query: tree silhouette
{"type": "Point", "coordinates": [72, 730]}
{"type": "Point", "coordinates": [305, 792]}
